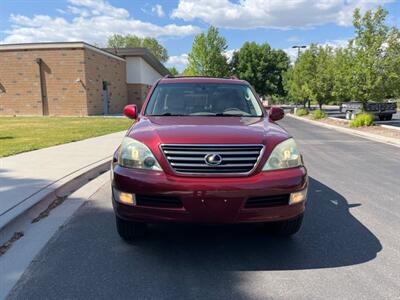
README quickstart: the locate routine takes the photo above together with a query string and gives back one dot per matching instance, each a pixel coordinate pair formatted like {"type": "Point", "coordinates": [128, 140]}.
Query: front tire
{"type": "Point", "coordinates": [130, 231]}
{"type": "Point", "coordinates": [285, 228]}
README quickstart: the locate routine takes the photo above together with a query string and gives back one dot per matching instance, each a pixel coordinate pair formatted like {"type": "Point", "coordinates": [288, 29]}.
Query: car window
{"type": "Point", "coordinates": [203, 99]}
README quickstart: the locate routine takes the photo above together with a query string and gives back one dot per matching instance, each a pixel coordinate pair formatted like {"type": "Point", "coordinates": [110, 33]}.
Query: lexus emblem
{"type": "Point", "coordinates": [213, 159]}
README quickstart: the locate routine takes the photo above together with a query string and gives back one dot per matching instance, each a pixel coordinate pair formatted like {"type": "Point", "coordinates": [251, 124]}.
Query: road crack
{"type": "Point", "coordinates": [7, 245]}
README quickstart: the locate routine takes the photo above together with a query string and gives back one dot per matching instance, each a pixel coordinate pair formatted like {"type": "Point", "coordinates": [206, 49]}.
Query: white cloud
{"type": "Point", "coordinates": [101, 7]}
{"type": "Point", "coordinates": [93, 21]}
{"type": "Point", "coordinates": [61, 11]}
{"type": "Point", "coordinates": [293, 39]}
{"type": "Point", "coordinates": [282, 14]}
{"type": "Point", "coordinates": [82, 12]}
{"type": "Point", "coordinates": [336, 43]}
{"type": "Point", "coordinates": [158, 10]}
{"type": "Point", "coordinates": [181, 61]}
{"type": "Point", "coordinates": [178, 61]}
{"type": "Point", "coordinates": [229, 54]}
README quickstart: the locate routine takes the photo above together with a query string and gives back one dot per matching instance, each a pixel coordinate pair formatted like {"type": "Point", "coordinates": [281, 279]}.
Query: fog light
{"type": "Point", "coordinates": [298, 197]}
{"type": "Point", "coordinates": [125, 198]}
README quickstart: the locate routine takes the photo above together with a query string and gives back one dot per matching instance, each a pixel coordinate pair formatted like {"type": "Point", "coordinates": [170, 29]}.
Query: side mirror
{"type": "Point", "coordinates": [276, 113]}
{"type": "Point", "coordinates": [130, 111]}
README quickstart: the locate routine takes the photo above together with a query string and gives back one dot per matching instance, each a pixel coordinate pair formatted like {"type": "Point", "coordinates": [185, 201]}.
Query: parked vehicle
{"type": "Point", "coordinates": [204, 150]}
{"type": "Point", "coordinates": [384, 110]}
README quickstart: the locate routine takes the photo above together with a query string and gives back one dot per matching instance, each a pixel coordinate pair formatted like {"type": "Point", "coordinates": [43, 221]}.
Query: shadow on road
{"type": "Point", "coordinates": [330, 237]}
{"type": "Point", "coordinates": [87, 259]}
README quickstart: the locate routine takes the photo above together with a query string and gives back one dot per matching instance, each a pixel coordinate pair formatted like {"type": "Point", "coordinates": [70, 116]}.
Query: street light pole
{"type": "Point", "coordinates": [298, 49]}
{"type": "Point", "coordinates": [298, 55]}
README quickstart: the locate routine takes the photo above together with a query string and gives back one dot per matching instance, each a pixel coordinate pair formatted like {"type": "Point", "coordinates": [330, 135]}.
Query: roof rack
{"type": "Point", "coordinates": [198, 76]}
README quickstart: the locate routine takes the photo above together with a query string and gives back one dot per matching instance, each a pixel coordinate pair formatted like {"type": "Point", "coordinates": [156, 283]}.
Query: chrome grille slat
{"type": "Point", "coordinates": [176, 158]}
{"type": "Point", "coordinates": [210, 152]}
{"type": "Point", "coordinates": [190, 159]}
{"type": "Point", "coordinates": [205, 171]}
{"type": "Point", "coordinates": [210, 148]}
{"type": "Point", "coordinates": [173, 158]}
{"type": "Point", "coordinates": [208, 166]}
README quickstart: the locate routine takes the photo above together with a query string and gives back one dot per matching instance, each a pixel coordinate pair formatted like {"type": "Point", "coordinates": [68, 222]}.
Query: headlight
{"type": "Point", "coordinates": [285, 155]}
{"type": "Point", "coordinates": [134, 154]}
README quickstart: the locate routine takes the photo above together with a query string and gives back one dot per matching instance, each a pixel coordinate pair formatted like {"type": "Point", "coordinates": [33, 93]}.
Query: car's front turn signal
{"type": "Point", "coordinates": [298, 197]}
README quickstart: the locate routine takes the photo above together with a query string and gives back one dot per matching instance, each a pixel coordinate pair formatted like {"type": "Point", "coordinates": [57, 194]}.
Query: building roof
{"type": "Point", "coordinates": [55, 45]}
{"type": "Point", "coordinates": [143, 53]}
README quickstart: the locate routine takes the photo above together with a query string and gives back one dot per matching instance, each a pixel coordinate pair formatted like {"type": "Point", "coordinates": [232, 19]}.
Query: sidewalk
{"type": "Point", "coordinates": [26, 178]}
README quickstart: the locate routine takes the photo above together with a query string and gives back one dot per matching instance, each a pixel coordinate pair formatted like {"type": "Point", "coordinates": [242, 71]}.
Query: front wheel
{"type": "Point", "coordinates": [128, 230]}
{"type": "Point", "coordinates": [285, 228]}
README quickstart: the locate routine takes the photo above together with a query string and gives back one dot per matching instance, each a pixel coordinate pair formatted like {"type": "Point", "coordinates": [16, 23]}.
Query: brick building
{"type": "Point", "coordinates": [73, 78]}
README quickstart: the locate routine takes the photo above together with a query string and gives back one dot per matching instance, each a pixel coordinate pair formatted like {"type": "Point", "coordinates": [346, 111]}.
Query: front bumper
{"type": "Point", "coordinates": [208, 200]}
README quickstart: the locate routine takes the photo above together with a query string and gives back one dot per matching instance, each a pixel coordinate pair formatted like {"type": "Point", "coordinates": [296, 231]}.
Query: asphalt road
{"type": "Point", "coordinates": [348, 248]}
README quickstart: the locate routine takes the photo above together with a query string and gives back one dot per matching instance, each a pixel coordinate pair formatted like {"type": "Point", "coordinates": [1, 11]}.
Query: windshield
{"type": "Point", "coordinates": [203, 99]}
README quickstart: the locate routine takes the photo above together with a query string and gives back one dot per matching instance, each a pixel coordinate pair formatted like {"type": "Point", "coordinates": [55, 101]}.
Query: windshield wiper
{"type": "Point", "coordinates": [230, 115]}
{"type": "Point", "coordinates": [168, 114]}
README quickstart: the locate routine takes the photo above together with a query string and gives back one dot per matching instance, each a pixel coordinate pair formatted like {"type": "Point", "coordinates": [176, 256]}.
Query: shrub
{"type": "Point", "coordinates": [319, 114]}
{"type": "Point", "coordinates": [302, 112]}
{"type": "Point", "coordinates": [363, 119]}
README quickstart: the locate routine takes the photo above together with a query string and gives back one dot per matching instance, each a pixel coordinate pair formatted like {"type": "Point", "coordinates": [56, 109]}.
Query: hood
{"type": "Point", "coordinates": [206, 130]}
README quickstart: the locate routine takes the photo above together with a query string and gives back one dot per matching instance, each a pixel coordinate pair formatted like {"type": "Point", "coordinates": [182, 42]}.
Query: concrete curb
{"type": "Point", "coordinates": [339, 119]}
{"type": "Point", "coordinates": [17, 259]}
{"type": "Point", "coordinates": [369, 136]}
{"type": "Point", "coordinates": [59, 188]}
{"type": "Point", "coordinates": [389, 126]}
{"type": "Point", "coordinates": [377, 123]}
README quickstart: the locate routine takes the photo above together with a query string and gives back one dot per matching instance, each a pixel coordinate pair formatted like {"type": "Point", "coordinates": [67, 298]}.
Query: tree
{"type": "Point", "coordinates": [375, 50]}
{"type": "Point", "coordinates": [312, 76]}
{"type": "Point", "coordinates": [173, 71]}
{"type": "Point", "coordinates": [132, 41]}
{"type": "Point", "coordinates": [342, 72]}
{"type": "Point", "coordinates": [322, 84]}
{"type": "Point", "coordinates": [206, 57]}
{"type": "Point", "coordinates": [299, 79]}
{"type": "Point", "coordinates": [367, 69]}
{"type": "Point", "coordinates": [261, 66]}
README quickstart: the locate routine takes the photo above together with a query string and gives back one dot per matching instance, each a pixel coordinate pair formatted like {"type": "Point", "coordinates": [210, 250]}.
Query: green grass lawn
{"type": "Point", "coordinates": [21, 134]}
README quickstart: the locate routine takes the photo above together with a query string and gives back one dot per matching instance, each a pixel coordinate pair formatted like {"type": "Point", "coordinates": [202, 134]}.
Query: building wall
{"type": "Point", "coordinates": [73, 79]}
{"type": "Point", "coordinates": [140, 72]}
{"type": "Point", "coordinates": [99, 68]}
{"type": "Point", "coordinates": [137, 93]}
{"type": "Point", "coordinates": [20, 91]}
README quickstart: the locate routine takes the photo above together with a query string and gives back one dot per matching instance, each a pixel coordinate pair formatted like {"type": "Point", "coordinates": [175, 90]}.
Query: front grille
{"type": "Point", "coordinates": [191, 159]}
{"type": "Point", "coordinates": [158, 201]}
{"type": "Point", "coordinates": [267, 201]}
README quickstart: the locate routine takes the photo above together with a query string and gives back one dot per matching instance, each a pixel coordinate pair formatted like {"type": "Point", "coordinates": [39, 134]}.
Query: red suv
{"type": "Point", "coordinates": [205, 150]}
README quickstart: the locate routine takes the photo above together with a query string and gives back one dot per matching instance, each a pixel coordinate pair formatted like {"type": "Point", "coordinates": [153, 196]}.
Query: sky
{"type": "Point", "coordinates": [281, 23]}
